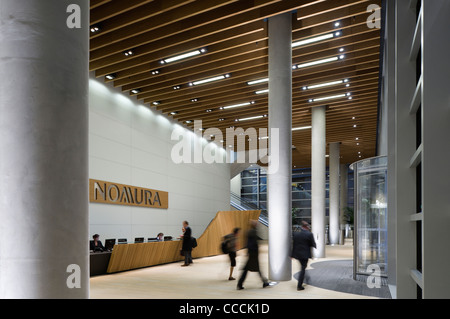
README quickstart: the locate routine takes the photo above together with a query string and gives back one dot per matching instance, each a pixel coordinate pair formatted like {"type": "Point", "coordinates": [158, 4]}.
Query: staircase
{"type": "Point", "coordinates": [243, 204]}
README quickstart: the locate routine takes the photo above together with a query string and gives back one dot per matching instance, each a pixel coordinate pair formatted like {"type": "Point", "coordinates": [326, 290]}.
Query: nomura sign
{"type": "Point", "coordinates": [120, 194]}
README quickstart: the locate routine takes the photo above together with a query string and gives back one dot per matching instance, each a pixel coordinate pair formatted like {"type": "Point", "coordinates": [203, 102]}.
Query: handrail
{"type": "Point", "coordinates": [244, 204]}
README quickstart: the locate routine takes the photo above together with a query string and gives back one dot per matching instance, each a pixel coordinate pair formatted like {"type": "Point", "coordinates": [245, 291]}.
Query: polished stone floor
{"type": "Point", "coordinates": [207, 278]}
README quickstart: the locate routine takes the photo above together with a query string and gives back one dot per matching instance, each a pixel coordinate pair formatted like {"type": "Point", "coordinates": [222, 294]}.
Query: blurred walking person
{"type": "Point", "coordinates": [253, 258]}
{"type": "Point", "coordinates": [230, 247]}
{"type": "Point", "coordinates": [301, 250]}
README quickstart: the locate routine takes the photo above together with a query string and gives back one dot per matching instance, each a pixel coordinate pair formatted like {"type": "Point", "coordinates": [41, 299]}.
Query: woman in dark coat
{"type": "Point", "coordinates": [253, 258]}
{"type": "Point", "coordinates": [187, 244]}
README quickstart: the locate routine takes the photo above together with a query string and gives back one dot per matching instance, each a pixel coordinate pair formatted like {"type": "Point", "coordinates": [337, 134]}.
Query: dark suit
{"type": "Point", "coordinates": [301, 250]}
{"type": "Point", "coordinates": [187, 245]}
{"type": "Point", "coordinates": [99, 246]}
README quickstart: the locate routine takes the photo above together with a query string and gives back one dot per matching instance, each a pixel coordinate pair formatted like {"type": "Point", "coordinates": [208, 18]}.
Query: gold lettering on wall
{"type": "Point", "coordinates": [120, 194]}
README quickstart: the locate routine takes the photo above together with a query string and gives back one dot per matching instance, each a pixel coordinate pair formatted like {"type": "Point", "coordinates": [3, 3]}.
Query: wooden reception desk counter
{"type": "Point", "coordinates": [132, 256]}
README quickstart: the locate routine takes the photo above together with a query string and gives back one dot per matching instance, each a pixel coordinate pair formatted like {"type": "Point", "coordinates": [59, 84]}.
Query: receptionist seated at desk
{"type": "Point", "coordinates": [96, 245]}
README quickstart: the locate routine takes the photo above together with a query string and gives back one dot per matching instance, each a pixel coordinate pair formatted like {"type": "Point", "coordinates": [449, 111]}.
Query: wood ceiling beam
{"type": "Point", "coordinates": [114, 8]}
{"type": "Point", "coordinates": [146, 11]}
{"type": "Point", "coordinates": [243, 76]}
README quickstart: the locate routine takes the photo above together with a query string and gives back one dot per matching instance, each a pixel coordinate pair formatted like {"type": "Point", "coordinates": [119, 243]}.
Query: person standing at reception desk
{"type": "Point", "coordinates": [187, 244]}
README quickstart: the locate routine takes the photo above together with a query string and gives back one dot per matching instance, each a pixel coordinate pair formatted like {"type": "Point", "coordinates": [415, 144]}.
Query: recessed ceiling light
{"type": "Point", "coordinates": [313, 40]}
{"type": "Point", "coordinates": [111, 76]}
{"type": "Point", "coordinates": [188, 121]}
{"type": "Point", "coordinates": [155, 72]}
{"type": "Point", "coordinates": [354, 125]}
{"type": "Point", "coordinates": [341, 50]}
{"type": "Point", "coordinates": [136, 91]}
{"type": "Point", "coordinates": [258, 81]}
{"type": "Point", "coordinates": [317, 62]}
{"type": "Point", "coordinates": [337, 33]}
{"type": "Point", "coordinates": [327, 98]}
{"type": "Point", "coordinates": [353, 118]}
{"type": "Point", "coordinates": [237, 105]}
{"type": "Point", "coordinates": [357, 138]}
{"type": "Point", "coordinates": [216, 78]}
{"type": "Point", "coordinates": [128, 52]}
{"type": "Point", "coordinates": [173, 113]}
{"type": "Point", "coordinates": [95, 29]}
{"type": "Point", "coordinates": [251, 118]}
{"type": "Point", "coordinates": [177, 87]}
{"type": "Point", "coordinates": [194, 100]}
{"type": "Point", "coordinates": [156, 102]}
{"type": "Point", "coordinates": [301, 128]}
{"type": "Point", "coordinates": [209, 110]}
{"type": "Point", "coordinates": [337, 24]}
{"type": "Point", "coordinates": [221, 119]}
{"type": "Point", "coordinates": [183, 56]}
{"type": "Point", "coordinates": [342, 57]}
{"type": "Point", "coordinates": [322, 85]}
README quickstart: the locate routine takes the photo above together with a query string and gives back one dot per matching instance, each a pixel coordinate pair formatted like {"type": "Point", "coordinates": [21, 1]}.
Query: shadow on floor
{"type": "Point", "coordinates": [337, 275]}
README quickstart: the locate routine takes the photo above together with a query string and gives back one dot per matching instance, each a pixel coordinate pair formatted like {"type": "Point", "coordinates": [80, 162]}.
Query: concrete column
{"type": "Point", "coordinates": [318, 179]}
{"type": "Point", "coordinates": [334, 193]}
{"type": "Point", "coordinates": [279, 199]}
{"type": "Point", "coordinates": [44, 149]}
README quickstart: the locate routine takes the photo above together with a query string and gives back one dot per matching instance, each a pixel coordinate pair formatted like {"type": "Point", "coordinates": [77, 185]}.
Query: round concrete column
{"type": "Point", "coordinates": [318, 165]}
{"type": "Point", "coordinates": [44, 149]}
{"type": "Point", "coordinates": [279, 196]}
{"type": "Point", "coordinates": [334, 193]}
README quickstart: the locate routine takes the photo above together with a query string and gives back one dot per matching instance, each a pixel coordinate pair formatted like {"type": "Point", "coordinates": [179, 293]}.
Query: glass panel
{"type": "Point", "coordinates": [371, 214]}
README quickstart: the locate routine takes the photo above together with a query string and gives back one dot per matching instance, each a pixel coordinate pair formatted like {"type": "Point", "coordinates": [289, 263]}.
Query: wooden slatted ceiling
{"type": "Point", "coordinates": [234, 34]}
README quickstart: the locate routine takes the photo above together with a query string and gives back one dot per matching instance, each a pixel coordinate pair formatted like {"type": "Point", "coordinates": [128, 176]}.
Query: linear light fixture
{"type": "Point", "coordinates": [309, 87]}
{"type": "Point", "coordinates": [314, 39]}
{"type": "Point", "coordinates": [183, 56]}
{"type": "Point", "coordinates": [216, 78]}
{"type": "Point", "coordinates": [258, 81]}
{"type": "Point", "coordinates": [251, 118]}
{"type": "Point", "coordinates": [262, 91]}
{"type": "Point", "coordinates": [237, 105]}
{"type": "Point", "coordinates": [301, 128]}
{"type": "Point", "coordinates": [317, 62]}
{"type": "Point", "coordinates": [327, 98]}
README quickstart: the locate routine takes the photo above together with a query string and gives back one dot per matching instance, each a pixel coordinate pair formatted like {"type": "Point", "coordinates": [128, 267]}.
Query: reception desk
{"type": "Point", "coordinates": [132, 256]}
{"type": "Point", "coordinates": [98, 263]}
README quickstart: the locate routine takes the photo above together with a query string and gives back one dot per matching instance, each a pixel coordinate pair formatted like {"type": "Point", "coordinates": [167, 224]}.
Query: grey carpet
{"type": "Point", "coordinates": [337, 275]}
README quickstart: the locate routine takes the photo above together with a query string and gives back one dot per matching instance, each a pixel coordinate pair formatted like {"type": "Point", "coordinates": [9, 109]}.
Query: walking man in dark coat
{"type": "Point", "coordinates": [253, 259]}
{"type": "Point", "coordinates": [301, 250]}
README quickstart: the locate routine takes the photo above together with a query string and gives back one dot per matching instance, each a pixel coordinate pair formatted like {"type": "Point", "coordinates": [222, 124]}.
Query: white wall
{"type": "Point", "coordinates": [131, 144]}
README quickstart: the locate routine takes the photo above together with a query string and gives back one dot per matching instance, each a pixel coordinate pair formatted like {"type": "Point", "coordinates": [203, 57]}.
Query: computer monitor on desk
{"type": "Point", "coordinates": [151, 240]}
{"type": "Point", "coordinates": [168, 238]}
{"type": "Point", "coordinates": [109, 244]}
{"type": "Point", "coordinates": [122, 241]}
{"type": "Point", "coordinates": [139, 240]}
